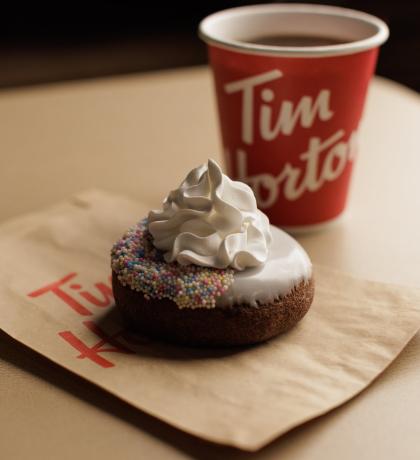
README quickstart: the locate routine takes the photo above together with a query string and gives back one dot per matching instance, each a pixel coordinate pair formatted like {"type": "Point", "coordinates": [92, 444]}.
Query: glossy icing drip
{"type": "Point", "coordinates": [287, 265]}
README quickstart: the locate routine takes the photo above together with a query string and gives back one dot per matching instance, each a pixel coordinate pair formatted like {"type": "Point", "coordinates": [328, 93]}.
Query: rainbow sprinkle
{"type": "Point", "coordinates": [141, 266]}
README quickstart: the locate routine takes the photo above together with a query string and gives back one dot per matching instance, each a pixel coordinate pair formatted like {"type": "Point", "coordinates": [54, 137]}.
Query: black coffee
{"type": "Point", "coordinates": [294, 40]}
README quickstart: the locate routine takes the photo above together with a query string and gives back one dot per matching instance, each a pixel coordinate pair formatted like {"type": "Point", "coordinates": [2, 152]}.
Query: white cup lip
{"type": "Point", "coordinates": [377, 39]}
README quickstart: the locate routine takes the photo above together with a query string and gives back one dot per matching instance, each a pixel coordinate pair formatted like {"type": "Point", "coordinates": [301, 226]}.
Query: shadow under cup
{"type": "Point", "coordinates": [291, 82]}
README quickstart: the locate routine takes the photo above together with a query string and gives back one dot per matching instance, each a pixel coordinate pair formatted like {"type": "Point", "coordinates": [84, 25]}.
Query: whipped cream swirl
{"type": "Point", "coordinates": [211, 221]}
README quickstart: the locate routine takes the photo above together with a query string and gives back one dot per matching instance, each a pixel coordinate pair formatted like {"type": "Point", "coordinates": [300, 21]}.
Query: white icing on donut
{"type": "Point", "coordinates": [287, 265]}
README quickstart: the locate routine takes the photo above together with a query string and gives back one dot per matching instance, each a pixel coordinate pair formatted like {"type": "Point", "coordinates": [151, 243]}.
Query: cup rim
{"type": "Point", "coordinates": [377, 39]}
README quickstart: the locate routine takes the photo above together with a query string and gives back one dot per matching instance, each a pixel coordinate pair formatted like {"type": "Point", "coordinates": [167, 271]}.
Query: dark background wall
{"type": "Point", "coordinates": [42, 42]}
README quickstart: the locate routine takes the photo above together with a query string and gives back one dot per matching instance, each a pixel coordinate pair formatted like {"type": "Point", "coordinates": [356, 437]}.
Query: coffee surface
{"type": "Point", "coordinates": [295, 40]}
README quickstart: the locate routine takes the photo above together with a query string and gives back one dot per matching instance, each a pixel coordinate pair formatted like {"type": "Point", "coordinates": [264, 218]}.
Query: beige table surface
{"type": "Point", "coordinates": [139, 135]}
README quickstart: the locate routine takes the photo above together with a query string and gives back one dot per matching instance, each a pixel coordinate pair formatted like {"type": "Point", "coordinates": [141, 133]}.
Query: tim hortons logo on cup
{"type": "Point", "coordinates": [323, 161]}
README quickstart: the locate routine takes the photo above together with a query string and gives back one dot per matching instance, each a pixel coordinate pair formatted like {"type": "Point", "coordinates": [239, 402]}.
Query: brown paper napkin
{"type": "Point", "coordinates": [55, 297]}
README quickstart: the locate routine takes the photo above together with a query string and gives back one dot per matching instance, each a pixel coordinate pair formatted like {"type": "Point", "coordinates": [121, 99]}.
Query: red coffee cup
{"type": "Point", "coordinates": [289, 111]}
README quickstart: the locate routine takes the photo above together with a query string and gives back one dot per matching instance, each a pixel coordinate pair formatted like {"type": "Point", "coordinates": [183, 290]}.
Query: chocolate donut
{"type": "Point", "coordinates": [209, 269]}
{"type": "Point", "coordinates": [258, 304]}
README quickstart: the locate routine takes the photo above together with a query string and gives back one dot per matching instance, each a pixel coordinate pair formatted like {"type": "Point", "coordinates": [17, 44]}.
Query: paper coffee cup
{"type": "Point", "coordinates": [289, 112]}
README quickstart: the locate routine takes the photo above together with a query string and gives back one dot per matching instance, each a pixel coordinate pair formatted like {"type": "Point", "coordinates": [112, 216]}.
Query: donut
{"type": "Point", "coordinates": [251, 306]}
{"type": "Point", "coordinates": [208, 269]}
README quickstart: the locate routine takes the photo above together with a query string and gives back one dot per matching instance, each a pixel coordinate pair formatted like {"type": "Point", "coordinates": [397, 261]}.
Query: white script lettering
{"type": "Point", "coordinates": [297, 181]}
{"type": "Point", "coordinates": [306, 110]}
